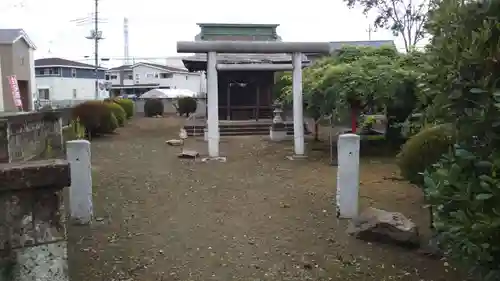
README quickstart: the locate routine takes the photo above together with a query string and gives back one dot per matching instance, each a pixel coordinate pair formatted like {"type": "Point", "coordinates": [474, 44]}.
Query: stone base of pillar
{"type": "Point", "coordinates": [277, 134]}
{"type": "Point", "coordinates": [205, 134]}
{"type": "Point", "coordinates": [297, 157]}
{"type": "Point", "coordinates": [211, 159]}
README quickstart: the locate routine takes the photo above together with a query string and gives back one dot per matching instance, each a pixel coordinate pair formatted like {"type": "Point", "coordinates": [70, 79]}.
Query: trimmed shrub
{"type": "Point", "coordinates": [127, 105]}
{"type": "Point", "coordinates": [96, 117]}
{"type": "Point", "coordinates": [423, 150]}
{"type": "Point", "coordinates": [118, 111]}
{"type": "Point", "coordinates": [186, 106]}
{"type": "Point", "coordinates": [153, 107]}
{"type": "Point", "coordinates": [109, 123]}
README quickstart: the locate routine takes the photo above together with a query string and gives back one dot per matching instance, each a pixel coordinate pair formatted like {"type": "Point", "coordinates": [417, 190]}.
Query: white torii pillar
{"type": "Point", "coordinates": [298, 107]}
{"type": "Point", "coordinates": [213, 105]}
{"type": "Point", "coordinates": [259, 47]}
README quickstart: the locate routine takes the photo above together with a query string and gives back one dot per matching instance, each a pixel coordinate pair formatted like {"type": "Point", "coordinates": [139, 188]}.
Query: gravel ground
{"type": "Point", "coordinates": [256, 217]}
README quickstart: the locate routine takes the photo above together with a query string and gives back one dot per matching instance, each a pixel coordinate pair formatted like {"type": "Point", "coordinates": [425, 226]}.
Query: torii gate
{"type": "Point", "coordinates": [252, 47]}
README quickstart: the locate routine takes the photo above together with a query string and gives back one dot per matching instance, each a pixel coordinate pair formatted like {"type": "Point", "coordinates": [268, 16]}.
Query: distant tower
{"type": "Point", "coordinates": [125, 39]}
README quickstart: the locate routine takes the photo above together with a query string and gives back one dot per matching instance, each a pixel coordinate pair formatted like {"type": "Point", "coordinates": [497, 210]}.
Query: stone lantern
{"type": "Point", "coordinates": [277, 131]}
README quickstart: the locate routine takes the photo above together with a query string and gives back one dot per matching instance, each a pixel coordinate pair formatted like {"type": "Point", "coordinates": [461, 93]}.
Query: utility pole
{"type": "Point", "coordinates": [370, 30]}
{"type": "Point", "coordinates": [95, 35]}
{"type": "Point", "coordinates": [96, 48]}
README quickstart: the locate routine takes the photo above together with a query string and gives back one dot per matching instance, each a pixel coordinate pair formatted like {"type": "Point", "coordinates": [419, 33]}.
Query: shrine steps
{"type": "Point", "coordinates": [240, 128]}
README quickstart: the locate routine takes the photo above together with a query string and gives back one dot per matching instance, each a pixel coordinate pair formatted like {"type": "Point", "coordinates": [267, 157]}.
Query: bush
{"type": "Point", "coordinates": [118, 111]}
{"type": "Point", "coordinates": [187, 105]}
{"type": "Point", "coordinates": [153, 107]}
{"type": "Point", "coordinates": [463, 190]}
{"type": "Point", "coordinates": [127, 105]}
{"type": "Point", "coordinates": [422, 150]}
{"type": "Point", "coordinates": [96, 117]}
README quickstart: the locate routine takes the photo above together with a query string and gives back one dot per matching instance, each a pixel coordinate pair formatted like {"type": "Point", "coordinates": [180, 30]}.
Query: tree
{"type": "Point", "coordinates": [463, 82]}
{"type": "Point", "coordinates": [406, 18]}
{"type": "Point", "coordinates": [356, 78]}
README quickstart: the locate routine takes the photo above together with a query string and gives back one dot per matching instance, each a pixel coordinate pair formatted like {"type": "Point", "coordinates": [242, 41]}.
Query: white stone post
{"type": "Point", "coordinates": [213, 105]}
{"type": "Point", "coordinates": [80, 191]}
{"type": "Point", "coordinates": [298, 113]}
{"type": "Point", "coordinates": [348, 176]}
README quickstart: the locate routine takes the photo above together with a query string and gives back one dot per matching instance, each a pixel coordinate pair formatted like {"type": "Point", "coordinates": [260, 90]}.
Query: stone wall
{"type": "Point", "coordinates": [168, 106]}
{"type": "Point", "coordinates": [27, 136]}
{"type": "Point", "coordinates": [33, 244]}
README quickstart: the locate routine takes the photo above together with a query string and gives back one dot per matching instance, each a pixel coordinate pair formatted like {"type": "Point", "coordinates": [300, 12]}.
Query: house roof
{"type": "Point", "coordinates": [62, 62]}
{"type": "Point", "coordinates": [198, 61]}
{"type": "Point", "coordinates": [121, 67]}
{"type": "Point", "coordinates": [153, 65]}
{"type": "Point", "coordinates": [161, 66]}
{"type": "Point", "coordinates": [335, 45]}
{"type": "Point", "coordinates": [236, 25]}
{"type": "Point", "coordinates": [11, 36]}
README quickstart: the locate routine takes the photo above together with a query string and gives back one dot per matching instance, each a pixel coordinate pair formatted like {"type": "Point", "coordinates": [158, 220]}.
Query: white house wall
{"type": "Point", "coordinates": [179, 80]}
{"type": "Point", "coordinates": [32, 86]}
{"type": "Point", "coordinates": [1, 88]}
{"type": "Point", "coordinates": [62, 88]}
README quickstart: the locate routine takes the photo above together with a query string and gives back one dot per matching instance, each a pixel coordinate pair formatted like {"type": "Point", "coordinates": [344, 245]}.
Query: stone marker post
{"type": "Point", "coordinates": [348, 176]}
{"type": "Point", "coordinates": [80, 191]}
{"type": "Point", "coordinates": [33, 243]}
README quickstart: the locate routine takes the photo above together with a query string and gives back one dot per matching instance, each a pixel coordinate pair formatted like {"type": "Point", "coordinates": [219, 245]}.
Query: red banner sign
{"type": "Point", "coordinates": [14, 88]}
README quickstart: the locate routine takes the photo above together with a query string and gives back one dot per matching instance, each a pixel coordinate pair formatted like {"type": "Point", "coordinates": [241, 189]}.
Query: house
{"type": "Point", "coordinates": [141, 77]}
{"type": "Point", "coordinates": [16, 58]}
{"type": "Point", "coordinates": [61, 79]}
{"type": "Point", "coordinates": [337, 45]}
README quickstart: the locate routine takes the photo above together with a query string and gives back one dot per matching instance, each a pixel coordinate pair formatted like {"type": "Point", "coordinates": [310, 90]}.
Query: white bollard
{"type": "Point", "coordinates": [348, 176]}
{"type": "Point", "coordinates": [80, 191]}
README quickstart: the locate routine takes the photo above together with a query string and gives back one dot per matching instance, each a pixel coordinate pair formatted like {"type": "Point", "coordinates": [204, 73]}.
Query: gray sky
{"type": "Point", "coordinates": [156, 25]}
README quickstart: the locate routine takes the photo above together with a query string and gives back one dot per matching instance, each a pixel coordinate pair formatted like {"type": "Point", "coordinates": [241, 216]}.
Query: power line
{"type": "Point", "coordinates": [96, 36]}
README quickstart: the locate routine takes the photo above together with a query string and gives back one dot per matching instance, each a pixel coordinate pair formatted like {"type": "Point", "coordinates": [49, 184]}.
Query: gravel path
{"type": "Point", "coordinates": [256, 217]}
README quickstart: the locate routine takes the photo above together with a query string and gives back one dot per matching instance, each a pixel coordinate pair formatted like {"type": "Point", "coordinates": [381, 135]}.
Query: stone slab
{"type": "Point", "coordinates": [33, 174]}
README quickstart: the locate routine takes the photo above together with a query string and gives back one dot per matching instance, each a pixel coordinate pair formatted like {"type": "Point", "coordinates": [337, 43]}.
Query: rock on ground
{"type": "Point", "coordinates": [383, 226]}
{"type": "Point", "coordinates": [174, 142]}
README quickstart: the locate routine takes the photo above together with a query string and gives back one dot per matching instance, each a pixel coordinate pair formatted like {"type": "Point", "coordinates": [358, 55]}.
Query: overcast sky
{"type": "Point", "coordinates": [156, 25]}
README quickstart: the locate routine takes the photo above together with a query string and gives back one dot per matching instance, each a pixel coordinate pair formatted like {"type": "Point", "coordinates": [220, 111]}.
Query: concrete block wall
{"type": "Point", "coordinates": [26, 135]}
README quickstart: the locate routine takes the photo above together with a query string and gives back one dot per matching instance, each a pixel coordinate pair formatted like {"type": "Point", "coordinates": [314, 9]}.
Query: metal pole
{"type": "Point", "coordinates": [96, 47]}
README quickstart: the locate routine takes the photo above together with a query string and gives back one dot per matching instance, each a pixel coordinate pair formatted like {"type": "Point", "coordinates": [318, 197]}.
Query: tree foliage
{"type": "Point", "coordinates": [405, 18]}
{"type": "Point", "coordinates": [361, 78]}
{"type": "Point", "coordinates": [462, 88]}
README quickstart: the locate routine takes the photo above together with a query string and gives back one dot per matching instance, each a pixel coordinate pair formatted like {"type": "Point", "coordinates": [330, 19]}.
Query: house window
{"type": "Point", "coordinates": [165, 75]}
{"type": "Point", "coordinates": [114, 77]}
{"type": "Point", "coordinates": [137, 76]}
{"type": "Point", "coordinates": [21, 60]}
{"type": "Point", "coordinates": [74, 93]}
{"type": "Point", "coordinates": [130, 76]}
{"type": "Point", "coordinates": [187, 77]}
{"type": "Point", "coordinates": [56, 71]}
{"type": "Point", "coordinates": [156, 75]}
{"type": "Point", "coordinates": [43, 94]}
{"type": "Point", "coordinates": [149, 75]}
{"type": "Point", "coordinates": [106, 77]}
{"type": "Point", "coordinates": [41, 71]}
{"type": "Point", "coordinates": [73, 73]}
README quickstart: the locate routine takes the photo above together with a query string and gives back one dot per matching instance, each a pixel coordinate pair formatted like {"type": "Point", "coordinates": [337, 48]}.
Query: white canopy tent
{"type": "Point", "coordinates": [168, 94]}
